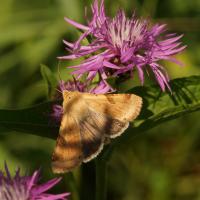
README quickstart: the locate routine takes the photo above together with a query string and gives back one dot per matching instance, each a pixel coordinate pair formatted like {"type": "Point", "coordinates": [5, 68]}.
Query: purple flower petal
{"type": "Point", "coordinates": [46, 186]}
{"type": "Point", "coordinates": [120, 45]}
{"type": "Point", "coordinates": [76, 24]}
{"type": "Point", "coordinates": [27, 187]}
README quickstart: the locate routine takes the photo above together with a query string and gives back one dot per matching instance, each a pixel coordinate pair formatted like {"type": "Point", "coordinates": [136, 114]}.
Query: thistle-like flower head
{"type": "Point", "coordinates": [122, 45]}
{"type": "Point", "coordinates": [26, 187]}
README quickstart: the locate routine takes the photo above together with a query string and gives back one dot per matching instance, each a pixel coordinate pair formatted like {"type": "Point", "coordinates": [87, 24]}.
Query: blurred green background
{"type": "Point", "coordinates": [161, 164]}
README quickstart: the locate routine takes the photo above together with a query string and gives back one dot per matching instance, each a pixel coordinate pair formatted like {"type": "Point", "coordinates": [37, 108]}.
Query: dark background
{"type": "Point", "coordinates": [161, 164]}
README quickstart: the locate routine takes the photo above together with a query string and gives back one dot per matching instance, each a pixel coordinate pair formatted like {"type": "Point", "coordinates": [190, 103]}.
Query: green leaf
{"type": "Point", "coordinates": [50, 80]}
{"type": "Point", "coordinates": [158, 107]}
{"type": "Point", "coordinates": [35, 120]}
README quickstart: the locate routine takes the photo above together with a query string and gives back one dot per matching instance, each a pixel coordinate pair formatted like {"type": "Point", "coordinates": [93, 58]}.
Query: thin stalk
{"type": "Point", "coordinates": [71, 185]}
{"type": "Point", "coordinates": [87, 189]}
{"type": "Point", "coordinates": [101, 179]}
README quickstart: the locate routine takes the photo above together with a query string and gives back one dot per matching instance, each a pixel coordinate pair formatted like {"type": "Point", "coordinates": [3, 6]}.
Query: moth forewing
{"type": "Point", "coordinates": [68, 151]}
{"type": "Point", "coordinates": [135, 107]}
{"type": "Point", "coordinates": [124, 107]}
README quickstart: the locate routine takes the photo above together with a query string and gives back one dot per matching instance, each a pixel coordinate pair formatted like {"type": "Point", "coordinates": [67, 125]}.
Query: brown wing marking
{"type": "Point", "coordinates": [94, 128]}
{"type": "Point", "coordinates": [110, 127]}
{"type": "Point", "coordinates": [92, 137]}
{"type": "Point", "coordinates": [68, 151]}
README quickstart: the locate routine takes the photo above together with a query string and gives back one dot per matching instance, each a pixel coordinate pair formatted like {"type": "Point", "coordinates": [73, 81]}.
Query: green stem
{"type": "Point", "coordinates": [101, 179]}
{"type": "Point", "coordinates": [70, 182]}
{"type": "Point", "coordinates": [87, 189]}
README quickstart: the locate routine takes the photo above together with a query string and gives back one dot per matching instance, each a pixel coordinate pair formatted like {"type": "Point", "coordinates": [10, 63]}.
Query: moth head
{"type": "Point", "coordinates": [65, 93]}
{"type": "Point", "coordinates": [70, 95]}
{"type": "Point", "coordinates": [72, 100]}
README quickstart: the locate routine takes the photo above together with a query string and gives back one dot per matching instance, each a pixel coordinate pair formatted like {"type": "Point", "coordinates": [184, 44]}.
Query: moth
{"type": "Point", "coordinates": [88, 119]}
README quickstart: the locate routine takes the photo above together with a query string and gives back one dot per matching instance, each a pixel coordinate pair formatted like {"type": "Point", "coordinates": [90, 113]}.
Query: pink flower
{"type": "Point", "coordinates": [27, 187]}
{"type": "Point", "coordinates": [122, 45]}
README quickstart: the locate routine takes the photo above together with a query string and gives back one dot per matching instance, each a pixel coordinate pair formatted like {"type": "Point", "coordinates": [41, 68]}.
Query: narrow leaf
{"type": "Point", "coordinates": [50, 80]}
{"type": "Point", "coordinates": [158, 107]}
{"type": "Point", "coordinates": [35, 120]}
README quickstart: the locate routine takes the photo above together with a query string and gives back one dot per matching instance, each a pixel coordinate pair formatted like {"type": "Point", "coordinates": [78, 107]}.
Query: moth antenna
{"type": "Point", "coordinates": [75, 81]}
{"type": "Point", "coordinates": [59, 76]}
{"type": "Point", "coordinates": [59, 90]}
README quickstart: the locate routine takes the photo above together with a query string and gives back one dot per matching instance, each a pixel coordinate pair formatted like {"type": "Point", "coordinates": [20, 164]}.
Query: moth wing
{"type": "Point", "coordinates": [68, 150]}
{"type": "Point", "coordinates": [92, 136]}
{"type": "Point", "coordinates": [81, 138]}
{"type": "Point", "coordinates": [122, 107]}
{"type": "Point", "coordinates": [94, 128]}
